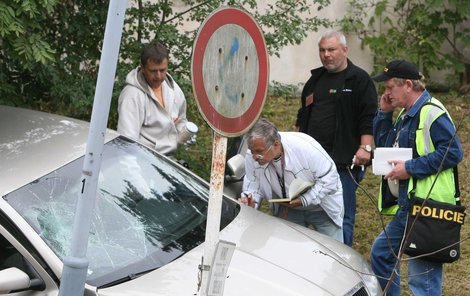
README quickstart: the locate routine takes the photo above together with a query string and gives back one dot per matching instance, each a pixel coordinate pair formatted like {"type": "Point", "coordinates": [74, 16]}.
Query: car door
{"type": "Point", "coordinates": [19, 260]}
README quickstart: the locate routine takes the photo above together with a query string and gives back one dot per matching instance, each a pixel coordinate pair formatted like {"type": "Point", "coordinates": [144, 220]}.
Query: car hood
{"type": "Point", "coordinates": [36, 143]}
{"type": "Point", "coordinates": [272, 257]}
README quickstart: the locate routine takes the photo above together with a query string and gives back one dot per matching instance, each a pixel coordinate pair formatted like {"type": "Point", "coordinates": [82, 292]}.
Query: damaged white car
{"type": "Point", "coordinates": [147, 234]}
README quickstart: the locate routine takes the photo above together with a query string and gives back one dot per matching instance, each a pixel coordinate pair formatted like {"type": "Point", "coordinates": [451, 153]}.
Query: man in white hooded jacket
{"type": "Point", "coordinates": [275, 159]}
{"type": "Point", "coordinates": [152, 107]}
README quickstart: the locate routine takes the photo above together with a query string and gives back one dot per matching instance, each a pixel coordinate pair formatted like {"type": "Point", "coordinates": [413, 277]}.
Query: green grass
{"type": "Point", "coordinates": [283, 110]}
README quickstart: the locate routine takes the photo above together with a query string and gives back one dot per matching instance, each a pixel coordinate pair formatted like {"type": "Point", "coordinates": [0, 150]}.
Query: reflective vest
{"type": "Point", "coordinates": [444, 189]}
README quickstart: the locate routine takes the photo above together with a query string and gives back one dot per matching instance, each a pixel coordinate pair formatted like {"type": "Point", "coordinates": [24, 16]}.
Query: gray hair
{"type": "Point", "coordinates": [263, 129]}
{"type": "Point", "coordinates": [332, 33]}
{"type": "Point", "coordinates": [418, 84]}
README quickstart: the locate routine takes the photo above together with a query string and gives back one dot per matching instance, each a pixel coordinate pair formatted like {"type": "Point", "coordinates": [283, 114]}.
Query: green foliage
{"type": "Point", "coordinates": [50, 49]}
{"type": "Point", "coordinates": [277, 89]}
{"type": "Point", "coordinates": [53, 64]}
{"type": "Point", "coordinates": [430, 33]}
{"type": "Point", "coordinates": [22, 45]}
{"type": "Point", "coordinates": [9, 25]}
{"type": "Point", "coordinates": [21, 32]}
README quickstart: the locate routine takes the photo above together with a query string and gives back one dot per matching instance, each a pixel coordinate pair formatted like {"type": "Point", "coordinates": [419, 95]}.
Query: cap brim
{"type": "Point", "coordinates": [381, 77]}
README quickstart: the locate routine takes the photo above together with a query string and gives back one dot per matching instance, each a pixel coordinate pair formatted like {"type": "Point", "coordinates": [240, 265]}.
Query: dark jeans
{"type": "Point", "coordinates": [349, 200]}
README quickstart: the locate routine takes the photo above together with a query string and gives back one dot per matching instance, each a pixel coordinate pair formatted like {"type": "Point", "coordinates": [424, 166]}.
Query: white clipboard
{"type": "Point", "coordinates": [382, 155]}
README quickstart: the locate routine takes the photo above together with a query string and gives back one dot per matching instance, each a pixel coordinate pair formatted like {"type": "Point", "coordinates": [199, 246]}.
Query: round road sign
{"type": "Point", "coordinates": [229, 70]}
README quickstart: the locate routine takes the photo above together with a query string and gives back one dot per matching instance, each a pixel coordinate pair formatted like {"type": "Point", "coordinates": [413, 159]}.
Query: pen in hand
{"type": "Point", "coordinates": [352, 165]}
{"type": "Point", "coordinates": [247, 199]}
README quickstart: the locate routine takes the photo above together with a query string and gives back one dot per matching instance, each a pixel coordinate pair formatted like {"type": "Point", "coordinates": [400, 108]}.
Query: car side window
{"type": "Point", "coordinates": [9, 255]}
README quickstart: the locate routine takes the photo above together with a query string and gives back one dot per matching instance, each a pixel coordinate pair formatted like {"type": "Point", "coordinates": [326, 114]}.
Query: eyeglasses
{"type": "Point", "coordinates": [261, 156]}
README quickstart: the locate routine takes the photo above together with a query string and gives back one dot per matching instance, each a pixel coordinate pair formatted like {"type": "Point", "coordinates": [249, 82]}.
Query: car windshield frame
{"type": "Point", "coordinates": [148, 211]}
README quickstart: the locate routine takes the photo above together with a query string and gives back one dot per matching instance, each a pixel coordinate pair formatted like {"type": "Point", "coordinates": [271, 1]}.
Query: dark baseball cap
{"type": "Point", "coordinates": [399, 69]}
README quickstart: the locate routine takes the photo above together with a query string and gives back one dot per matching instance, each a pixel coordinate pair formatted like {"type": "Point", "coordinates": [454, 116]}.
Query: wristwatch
{"type": "Point", "coordinates": [367, 147]}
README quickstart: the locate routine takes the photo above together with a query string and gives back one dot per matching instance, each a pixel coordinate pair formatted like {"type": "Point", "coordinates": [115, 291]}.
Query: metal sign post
{"type": "Point", "coordinates": [74, 272]}
{"type": "Point", "coordinates": [229, 71]}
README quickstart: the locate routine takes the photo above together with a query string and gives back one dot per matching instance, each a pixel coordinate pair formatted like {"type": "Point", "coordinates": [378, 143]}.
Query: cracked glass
{"type": "Point", "coordinates": [148, 211]}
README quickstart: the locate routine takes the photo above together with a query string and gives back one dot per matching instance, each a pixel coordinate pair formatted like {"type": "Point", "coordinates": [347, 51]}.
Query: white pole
{"type": "Point", "coordinates": [214, 210]}
{"type": "Point", "coordinates": [76, 264]}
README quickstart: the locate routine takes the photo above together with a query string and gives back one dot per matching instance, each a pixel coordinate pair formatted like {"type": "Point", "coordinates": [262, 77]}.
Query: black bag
{"type": "Point", "coordinates": [434, 226]}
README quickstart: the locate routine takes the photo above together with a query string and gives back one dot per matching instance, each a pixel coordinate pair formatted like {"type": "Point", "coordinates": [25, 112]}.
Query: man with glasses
{"type": "Point", "coordinates": [274, 160]}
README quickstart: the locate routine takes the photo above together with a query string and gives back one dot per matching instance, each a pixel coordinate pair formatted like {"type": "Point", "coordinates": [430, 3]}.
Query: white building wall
{"type": "Point", "coordinates": [295, 61]}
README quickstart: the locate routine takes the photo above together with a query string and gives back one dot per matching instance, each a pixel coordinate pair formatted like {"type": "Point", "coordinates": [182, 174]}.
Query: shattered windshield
{"type": "Point", "coordinates": [147, 211]}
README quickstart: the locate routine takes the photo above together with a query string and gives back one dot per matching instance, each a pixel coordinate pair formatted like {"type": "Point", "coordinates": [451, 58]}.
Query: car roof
{"type": "Point", "coordinates": [34, 143]}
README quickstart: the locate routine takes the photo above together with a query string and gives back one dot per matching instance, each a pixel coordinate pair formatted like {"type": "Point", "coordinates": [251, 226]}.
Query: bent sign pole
{"type": "Point", "coordinates": [74, 272]}
{"type": "Point", "coordinates": [229, 70]}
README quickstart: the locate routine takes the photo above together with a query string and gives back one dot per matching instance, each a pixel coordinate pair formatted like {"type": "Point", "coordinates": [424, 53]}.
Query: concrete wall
{"type": "Point", "coordinates": [295, 61]}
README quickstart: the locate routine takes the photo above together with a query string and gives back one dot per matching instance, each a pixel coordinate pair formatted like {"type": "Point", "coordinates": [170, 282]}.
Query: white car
{"type": "Point", "coordinates": [147, 233]}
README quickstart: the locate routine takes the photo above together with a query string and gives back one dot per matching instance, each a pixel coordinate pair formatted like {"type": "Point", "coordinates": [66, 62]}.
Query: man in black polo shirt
{"type": "Point", "coordinates": [339, 102]}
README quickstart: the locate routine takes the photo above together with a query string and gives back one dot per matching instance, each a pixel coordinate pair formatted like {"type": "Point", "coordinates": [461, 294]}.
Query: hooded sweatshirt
{"type": "Point", "coordinates": [143, 119]}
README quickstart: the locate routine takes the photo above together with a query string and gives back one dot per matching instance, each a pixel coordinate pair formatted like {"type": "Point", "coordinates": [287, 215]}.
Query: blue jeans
{"type": "Point", "coordinates": [349, 200]}
{"type": "Point", "coordinates": [424, 277]}
{"type": "Point", "coordinates": [318, 219]}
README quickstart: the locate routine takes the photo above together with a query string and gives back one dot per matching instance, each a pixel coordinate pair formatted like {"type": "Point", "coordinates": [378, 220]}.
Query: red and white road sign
{"type": "Point", "coordinates": [229, 70]}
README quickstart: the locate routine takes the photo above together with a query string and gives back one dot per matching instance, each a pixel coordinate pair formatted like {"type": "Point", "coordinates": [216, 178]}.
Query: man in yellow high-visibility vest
{"type": "Point", "coordinates": [424, 125]}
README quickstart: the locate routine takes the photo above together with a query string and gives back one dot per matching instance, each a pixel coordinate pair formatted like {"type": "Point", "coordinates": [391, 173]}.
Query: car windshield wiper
{"type": "Point", "coordinates": [126, 278]}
